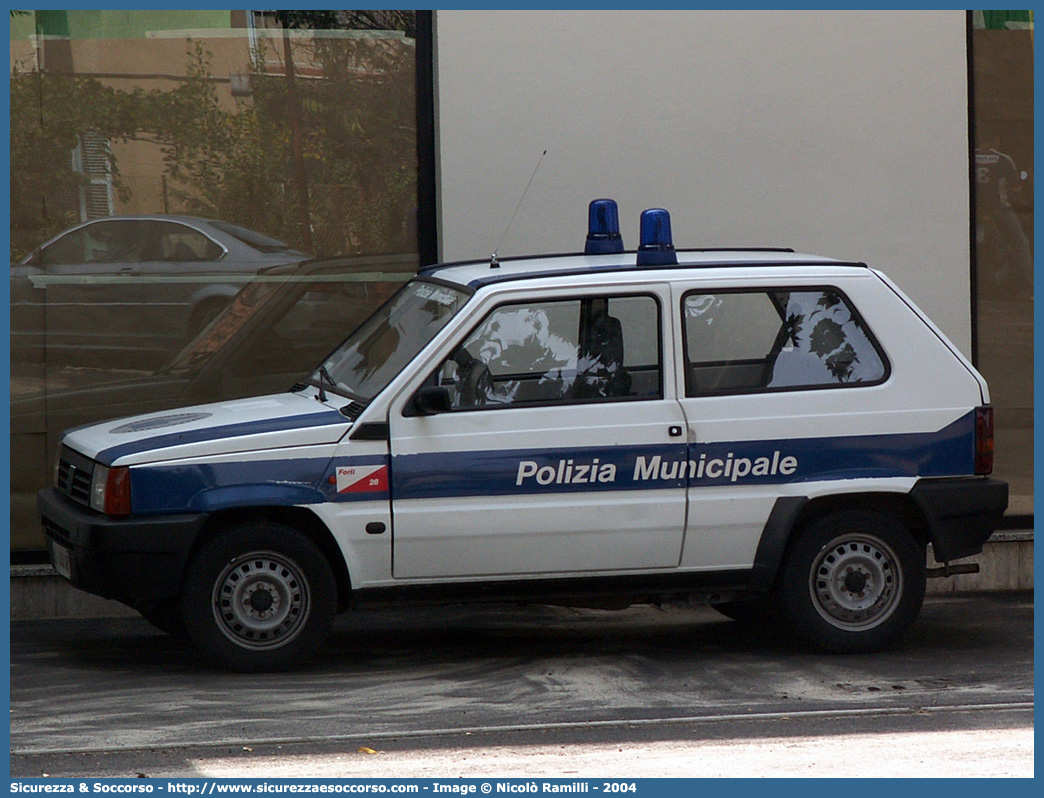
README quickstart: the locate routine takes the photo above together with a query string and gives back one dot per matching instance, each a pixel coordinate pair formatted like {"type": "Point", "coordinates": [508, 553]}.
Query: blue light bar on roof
{"type": "Point", "coordinates": [603, 228]}
{"type": "Point", "coordinates": [656, 247]}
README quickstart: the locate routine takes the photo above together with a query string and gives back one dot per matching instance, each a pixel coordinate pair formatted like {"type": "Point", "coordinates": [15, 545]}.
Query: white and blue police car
{"type": "Point", "coordinates": [775, 433]}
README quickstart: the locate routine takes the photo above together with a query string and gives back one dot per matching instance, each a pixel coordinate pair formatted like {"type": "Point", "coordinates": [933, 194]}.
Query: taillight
{"type": "Point", "coordinates": [983, 440]}
{"type": "Point", "coordinates": [110, 490]}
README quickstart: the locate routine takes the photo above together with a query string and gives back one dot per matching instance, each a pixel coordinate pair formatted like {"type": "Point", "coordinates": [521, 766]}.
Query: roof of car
{"type": "Point", "coordinates": [477, 274]}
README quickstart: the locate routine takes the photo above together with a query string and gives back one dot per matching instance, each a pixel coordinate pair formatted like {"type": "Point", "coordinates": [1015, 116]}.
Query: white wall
{"type": "Point", "coordinates": [838, 133]}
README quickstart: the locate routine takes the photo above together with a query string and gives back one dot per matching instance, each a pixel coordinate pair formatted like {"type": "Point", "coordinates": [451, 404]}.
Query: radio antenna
{"type": "Point", "coordinates": [493, 263]}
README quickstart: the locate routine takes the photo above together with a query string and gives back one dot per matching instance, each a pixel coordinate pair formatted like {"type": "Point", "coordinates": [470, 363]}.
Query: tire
{"type": "Point", "coordinates": [853, 581]}
{"type": "Point", "coordinates": [165, 616]}
{"type": "Point", "coordinates": [760, 609]}
{"type": "Point", "coordinates": [259, 597]}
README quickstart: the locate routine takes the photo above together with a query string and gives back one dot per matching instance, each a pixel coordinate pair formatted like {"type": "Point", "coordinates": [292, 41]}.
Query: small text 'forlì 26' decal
{"type": "Point", "coordinates": [362, 478]}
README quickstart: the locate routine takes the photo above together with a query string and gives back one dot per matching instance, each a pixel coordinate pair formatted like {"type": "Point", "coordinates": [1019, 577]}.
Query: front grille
{"type": "Point", "coordinates": [74, 475]}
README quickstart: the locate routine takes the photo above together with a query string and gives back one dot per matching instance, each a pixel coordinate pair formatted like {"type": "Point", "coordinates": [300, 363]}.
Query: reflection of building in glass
{"type": "Point", "coordinates": [999, 237]}
{"type": "Point", "coordinates": [301, 125]}
{"type": "Point", "coordinates": [196, 148]}
{"type": "Point", "coordinates": [1002, 62]}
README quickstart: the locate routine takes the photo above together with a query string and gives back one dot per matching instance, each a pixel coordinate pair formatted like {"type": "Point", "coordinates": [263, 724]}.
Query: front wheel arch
{"type": "Point", "coordinates": [299, 518]}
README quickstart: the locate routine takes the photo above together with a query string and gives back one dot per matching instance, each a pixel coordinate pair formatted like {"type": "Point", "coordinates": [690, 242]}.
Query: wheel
{"type": "Point", "coordinates": [165, 615]}
{"type": "Point", "coordinates": [260, 597]}
{"type": "Point", "coordinates": [760, 609]}
{"type": "Point", "coordinates": [853, 581]}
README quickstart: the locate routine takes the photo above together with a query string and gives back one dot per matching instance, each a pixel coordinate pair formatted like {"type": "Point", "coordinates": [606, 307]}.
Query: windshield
{"type": "Point", "coordinates": [375, 353]}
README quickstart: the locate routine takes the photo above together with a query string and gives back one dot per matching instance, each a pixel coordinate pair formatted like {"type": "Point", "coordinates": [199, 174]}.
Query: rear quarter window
{"type": "Point", "coordinates": [772, 339]}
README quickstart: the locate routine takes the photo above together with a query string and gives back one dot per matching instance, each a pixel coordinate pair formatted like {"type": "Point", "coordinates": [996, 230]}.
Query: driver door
{"type": "Point", "coordinates": [531, 469]}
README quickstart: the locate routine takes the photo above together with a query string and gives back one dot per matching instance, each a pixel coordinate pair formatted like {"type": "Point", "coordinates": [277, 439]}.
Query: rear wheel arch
{"type": "Point", "coordinates": [899, 505]}
{"type": "Point", "coordinates": [793, 514]}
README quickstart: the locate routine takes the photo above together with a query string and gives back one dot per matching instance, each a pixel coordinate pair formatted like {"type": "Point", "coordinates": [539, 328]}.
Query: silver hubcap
{"type": "Point", "coordinates": [261, 600]}
{"type": "Point", "coordinates": [856, 582]}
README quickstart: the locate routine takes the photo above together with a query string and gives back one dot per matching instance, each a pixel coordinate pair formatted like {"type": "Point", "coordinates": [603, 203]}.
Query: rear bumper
{"type": "Point", "coordinates": [962, 513]}
{"type": "Point", "coordinates": [134, 560]}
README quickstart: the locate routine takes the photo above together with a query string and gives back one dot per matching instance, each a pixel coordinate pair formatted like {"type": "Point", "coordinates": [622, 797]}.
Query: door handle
{"type": "Point", "coordinates": [675, 430]}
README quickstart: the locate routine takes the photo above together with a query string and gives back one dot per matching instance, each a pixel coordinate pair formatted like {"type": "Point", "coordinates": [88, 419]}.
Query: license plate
{"type": "Point", "coordinates": [60, 559]}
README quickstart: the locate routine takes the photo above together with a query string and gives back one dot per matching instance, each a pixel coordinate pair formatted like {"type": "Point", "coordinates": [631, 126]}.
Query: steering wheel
{"type": "Point", "coordinates": [476, 385]}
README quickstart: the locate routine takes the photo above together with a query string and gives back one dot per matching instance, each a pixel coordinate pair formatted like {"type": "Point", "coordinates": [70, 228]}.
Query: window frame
{"type": "Point", "coordinates": [686, 362]}
{"type": "Point", "coordinates": [432, 377]}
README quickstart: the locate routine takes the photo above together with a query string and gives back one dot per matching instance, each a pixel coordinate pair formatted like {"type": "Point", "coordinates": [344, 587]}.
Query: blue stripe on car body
{"type": "Point", "coordinates": [108, 456]}
{"type": "Point", "coordinates": [206, 487]}
{"type": "Point", "coordinates": [212, 486]}
{"type": "Point", "coordinates": [948, 452]}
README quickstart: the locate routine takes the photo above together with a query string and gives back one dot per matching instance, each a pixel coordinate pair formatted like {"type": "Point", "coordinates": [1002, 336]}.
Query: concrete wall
{"type": "Point", "coordinates": [838, 133]}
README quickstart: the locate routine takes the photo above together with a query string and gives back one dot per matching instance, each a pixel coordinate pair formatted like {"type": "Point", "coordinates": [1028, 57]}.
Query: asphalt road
{"type": "Point", "coordinates": [546, 691]}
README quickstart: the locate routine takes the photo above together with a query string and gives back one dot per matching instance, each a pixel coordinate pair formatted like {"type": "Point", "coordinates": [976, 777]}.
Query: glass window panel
{"type": "Point", "coordinates": [756, 340]}
{"type": "Point", "coordinates": [1003, 166]}
{"type": "Point", "coordinates": [204, 148]}
{"type": "Point", "coordinates": [558, 351]}
{"type": "Point", "coordinates": [731, 326]}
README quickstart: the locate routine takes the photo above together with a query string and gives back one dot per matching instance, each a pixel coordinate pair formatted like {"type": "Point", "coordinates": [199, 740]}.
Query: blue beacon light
{"type": "Point", "coordinates": [603, 228]}
{"type": "Point", "coordinates": [656, 247]}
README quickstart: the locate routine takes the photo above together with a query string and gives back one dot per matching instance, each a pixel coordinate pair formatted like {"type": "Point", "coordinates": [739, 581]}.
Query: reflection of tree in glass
{"type": "Point", "coordinates": [842, 362]}
{"type": "Point", "coordinates": [826, 336]}
{"type": "Point", "coordinates": [828, 300]}
{"type": "Point", "coordinates": [49, 112]}
{"type": "Point", "coordinates": [521, 340]}
{"type": "Point", "coordinates": [794, 326]}
{"type": "Point", "coordinates": [357, 151]}
{"type": "Point", "coordinates": [233, 158]}
{"type": "Point", "coordinates": [833, 332]}
{"type": "Point", "coordinates": [377, 348]}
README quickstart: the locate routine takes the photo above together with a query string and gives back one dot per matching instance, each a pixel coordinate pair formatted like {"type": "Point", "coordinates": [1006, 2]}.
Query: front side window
{"type": "Point", "coordinates": [375, 353]}
{"type": "Point", "coordinates": [571, 350]}
{"type": "Point", "coordinates": [745, 341]}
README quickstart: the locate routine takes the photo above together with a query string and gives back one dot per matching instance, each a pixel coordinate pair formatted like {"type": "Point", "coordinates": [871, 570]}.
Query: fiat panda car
{"type": "Point", "coordinates": [778, 434]}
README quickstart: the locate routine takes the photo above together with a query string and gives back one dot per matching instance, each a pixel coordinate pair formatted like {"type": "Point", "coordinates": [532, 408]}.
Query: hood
{"type": "Point", "coordinates": [242, 425]}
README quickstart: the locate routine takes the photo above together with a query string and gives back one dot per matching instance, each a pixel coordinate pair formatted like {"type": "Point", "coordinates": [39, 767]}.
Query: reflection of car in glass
{"type": "Point", "coordinates": [775, 433]}
{"type": "Point", "coordinates": [275, 328]}
{"type": "Point", "coordinates": [131, 286]}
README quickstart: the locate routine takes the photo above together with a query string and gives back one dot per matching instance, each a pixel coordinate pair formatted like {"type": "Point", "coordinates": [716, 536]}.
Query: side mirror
{"type": "Point", "coordinates": [432, 400]}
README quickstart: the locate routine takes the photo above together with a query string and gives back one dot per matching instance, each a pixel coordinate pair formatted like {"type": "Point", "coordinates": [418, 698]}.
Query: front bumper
{"type": "Point", "coordinates": [962, 513]}
{"type": "Point", "coordinates": [134, 560]}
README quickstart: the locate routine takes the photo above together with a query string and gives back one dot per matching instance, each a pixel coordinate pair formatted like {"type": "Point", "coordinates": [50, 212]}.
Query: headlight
{"type": "Point", "coordinates": [110, 490]}
{"type": "Point", "coordinates": [98, 483]}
